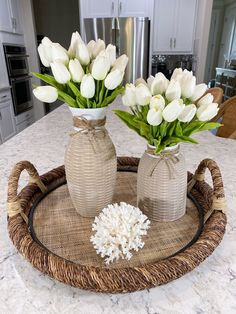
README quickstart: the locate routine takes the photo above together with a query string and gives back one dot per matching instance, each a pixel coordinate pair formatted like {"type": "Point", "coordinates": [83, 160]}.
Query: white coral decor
{"type": "Point", "coordinates": [119, 229]}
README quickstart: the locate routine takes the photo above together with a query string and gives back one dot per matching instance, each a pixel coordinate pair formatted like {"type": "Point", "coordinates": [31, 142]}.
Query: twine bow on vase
{"type": "Point", "coordinates": [94, 129]}
{"type": "Point", "coordinates": [169, 157]}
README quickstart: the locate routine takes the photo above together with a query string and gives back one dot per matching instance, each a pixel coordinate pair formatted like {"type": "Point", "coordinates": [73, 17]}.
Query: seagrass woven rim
{"type": "Point", "coordinates": [117, 280]}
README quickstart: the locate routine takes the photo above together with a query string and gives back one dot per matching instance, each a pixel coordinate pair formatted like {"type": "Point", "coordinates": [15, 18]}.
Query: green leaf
{"type": "Point", "coordinates": [128, 119]}
{"type": "Point", "coordinates": [112, 97]}
{"type": "Point", "coordinates": [210, 125]}
{"type": "Point", "coordinates": [178, 139]}
{"type": "Point", "coordinates": [155, 131]}
{"type": "Point", "coordinates": [68, 99]}
{"type": "Point", "coordinates": [178, 129]}
{"type": "Point", "coordinates": [172, 128]}
{"type": "Point", "coordinates": [49, 80]}
{"type": "Point", "coordinates": [192, 127]}
{"type": "Point", "coordinates": [163, 127]}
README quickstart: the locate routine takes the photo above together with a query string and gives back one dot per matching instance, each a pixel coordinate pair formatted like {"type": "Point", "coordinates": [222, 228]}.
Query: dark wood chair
{"type": "Point", "coordinates": [227, 116]}
{"type": "Point", "coordinates": [217, 93]}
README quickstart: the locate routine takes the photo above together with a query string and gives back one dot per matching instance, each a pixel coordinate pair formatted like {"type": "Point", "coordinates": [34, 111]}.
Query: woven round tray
{"type": "Point", "coordinates": [47, 231]}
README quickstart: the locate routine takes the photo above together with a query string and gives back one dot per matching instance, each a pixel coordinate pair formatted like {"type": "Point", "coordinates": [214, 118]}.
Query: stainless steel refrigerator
{"type": "Point", "coordinates": [130, 35]}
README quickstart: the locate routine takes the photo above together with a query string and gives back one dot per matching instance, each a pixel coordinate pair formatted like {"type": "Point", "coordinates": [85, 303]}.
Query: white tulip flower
{"type": "Point", "coordinates": [47, 94]}
{"type": "Point", "coordinates": [129, 98]}
{"type": "Point", "coordinates": [207, 99]}
{"type": "Point", "coordinates": [173, 90]}
{"type": "Point", "coordinates": [100, 67]}
{"type": "Point", "coordinates": [199, 90]}
{"type": "Point", "coordinates": [114, 79]}
{"type": "Point", "coordinates": [188, 83]}
{"type": "Point", "coordinates": [91, 44]}
{"type": "Point", "coordinates": [82, 53]}
{"type": "Point", "coordinates": [76, 70]}
{"type": "Point", "coordinates": [111, 52]}
{"type": "Point", "coordinates": [75, 40]}
{"type": "Point", "coordinates": [173, 110]}
{"type": "Point", "coordinates": [159, 84]}
{"type": "Point", "coordinates": [45, 51]}
{"type": "Point", "coordinates": [177, 73]}
{"type": "Point", "coordinates": [60, 72]}
{"type": "Point", "coordinates": [207, 111]}
{"type": "Point", "coordinates": [140, 80]}
{"type": "Point", "coordinates": [59, 53]}
{"type": "Point", "coordinates": [87, 87]}
{"type": "Point", "coordinates": [143, 95]}
{"type": "Point", "coordinates": [150, 80]}
{"type": "Point", "coordinates": [187, 113]}
{"type": "Point", "coordinates": [98, 47]}
{"type": "Point", "coordinates": [120, 63]}
{"type": "Point", "coordinates": [154, 117]}
{"type": "Point", "coordinates": [157, 102]}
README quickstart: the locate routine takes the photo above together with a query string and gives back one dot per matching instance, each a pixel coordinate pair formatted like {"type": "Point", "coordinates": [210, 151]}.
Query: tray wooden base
{"type": "Point", "coordinates": [57, 240]}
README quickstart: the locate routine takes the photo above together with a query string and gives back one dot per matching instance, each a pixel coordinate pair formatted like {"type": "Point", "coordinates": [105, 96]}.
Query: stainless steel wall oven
{"type": "Point", "coordinates": [19, 78]}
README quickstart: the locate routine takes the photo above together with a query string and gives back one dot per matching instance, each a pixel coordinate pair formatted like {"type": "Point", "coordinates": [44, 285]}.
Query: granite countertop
{"type": "Point", "coordinates": [210, 288]}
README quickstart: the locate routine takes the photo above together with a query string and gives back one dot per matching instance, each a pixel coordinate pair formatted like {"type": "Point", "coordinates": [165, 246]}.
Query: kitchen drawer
{"type": "Point", "coordinates": [24, 116]}
{"type": "Point", "coordinates": [23, 125]}
{"type": "Point", "coordinates": [5, 96]}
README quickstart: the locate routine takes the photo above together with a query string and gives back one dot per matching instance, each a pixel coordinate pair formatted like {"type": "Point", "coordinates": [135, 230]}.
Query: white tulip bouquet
{"type": "Point", "coordinates": [85, 76]}
{"type": "Point", "coordinates": [167, 112]}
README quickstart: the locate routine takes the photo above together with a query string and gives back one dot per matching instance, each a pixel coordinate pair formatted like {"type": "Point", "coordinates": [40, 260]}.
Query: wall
{"type": "Point", "coordinates": [28, 28]}
{"type": "Point", "coordinates": [56, 19]}
{"type": "Point", "coordinates": [217, 23]}
{"type": "Point", "coordinates": [201, 36]}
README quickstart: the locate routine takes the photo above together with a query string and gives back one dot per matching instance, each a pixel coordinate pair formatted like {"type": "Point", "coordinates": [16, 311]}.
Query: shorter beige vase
{"type": "Point", "coordinates": [162, 184]}
{"type": "Point", "coordinates": [90, 162]}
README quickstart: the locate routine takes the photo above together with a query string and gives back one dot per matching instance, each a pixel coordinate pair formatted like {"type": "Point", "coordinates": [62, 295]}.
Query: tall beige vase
{"type": "Point", "coordinates": [90, 162]}
{"type": "Point", "coordinates": [162, 184]}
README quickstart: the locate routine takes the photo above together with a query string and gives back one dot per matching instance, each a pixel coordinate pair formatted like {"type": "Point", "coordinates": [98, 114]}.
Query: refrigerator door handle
{"type": "Point", "coordinates": [171, 43]}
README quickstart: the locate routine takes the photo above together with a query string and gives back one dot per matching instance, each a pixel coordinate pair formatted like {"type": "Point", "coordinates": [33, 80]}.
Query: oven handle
{"type": "Point", "coordinates": [27, 77]}
{"type": "Point", "coordinates": [16, 56]}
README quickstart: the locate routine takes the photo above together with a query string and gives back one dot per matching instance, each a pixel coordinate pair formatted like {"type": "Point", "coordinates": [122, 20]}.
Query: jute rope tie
{"type": "Point", "coordinates": [92, 128]}
{"type": "Point", "coordinates": [218, 204]}
{"type": "Point", "coordinates": [169, 158]}
{"type": "Point", "coordinates": [195, 178]}
{"type": "Point", "coordinates": [15, 208]}
{"type": "Point", "coordinates": [39, 183]}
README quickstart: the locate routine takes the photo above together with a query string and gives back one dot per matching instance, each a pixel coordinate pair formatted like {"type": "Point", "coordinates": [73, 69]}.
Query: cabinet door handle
{"type": "Point", "coordinates": [120, 7]}
{"type": "Point", "coordinates": [4, 96]}
{"type": "Point", "coordinates": [0, 116]}
{"type": "Point", "coordinates": [174, 42]}
{"type": "Point", "coordinates": [170, 42]}
{"type": "Point", "coordinates": [112, 7]}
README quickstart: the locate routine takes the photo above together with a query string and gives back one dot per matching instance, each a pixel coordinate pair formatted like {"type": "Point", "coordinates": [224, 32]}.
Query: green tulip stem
{"type": "Point", "coordinates": [88, 104]}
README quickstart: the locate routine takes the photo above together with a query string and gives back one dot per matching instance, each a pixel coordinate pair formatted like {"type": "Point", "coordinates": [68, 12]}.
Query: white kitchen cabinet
{"type": "Point", "coordinates": [7, 125]}
{"type": "Point", "coordinates": [115, 8]}
{"type": "Point", "coordinates": [174, 25]}
{"type": "Point", "coordinates": [9, 17]}
{"type": "Point", "coordinates": [134, 8]}
{"type": "Point", "coordinates": [101, 8]}
{"type": "Point", "coordinates": [5, 16]}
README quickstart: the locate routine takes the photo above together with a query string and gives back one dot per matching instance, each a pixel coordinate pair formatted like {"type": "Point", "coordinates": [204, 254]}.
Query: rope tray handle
{"type": "Point", "coordinates": [218, 200]}
{"type": "Point", "coordinates": [13, 202]}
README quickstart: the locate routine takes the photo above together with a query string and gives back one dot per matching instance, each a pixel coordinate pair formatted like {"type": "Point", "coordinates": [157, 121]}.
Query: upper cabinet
{"type": "Point", "coordinates": [9, 17]}
{"type": "Point", "coordinates": [173, 26]}
{"type": "Point", "coordinates": [115, 8]}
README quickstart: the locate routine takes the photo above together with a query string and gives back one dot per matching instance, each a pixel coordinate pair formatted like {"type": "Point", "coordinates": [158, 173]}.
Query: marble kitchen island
{"type": "Point", "coordinates": [210, 288]}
